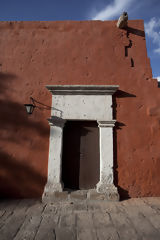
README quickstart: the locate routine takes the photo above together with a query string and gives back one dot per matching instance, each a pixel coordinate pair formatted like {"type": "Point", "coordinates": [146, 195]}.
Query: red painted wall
{"type": "Point", "coordinates": [35, 54]}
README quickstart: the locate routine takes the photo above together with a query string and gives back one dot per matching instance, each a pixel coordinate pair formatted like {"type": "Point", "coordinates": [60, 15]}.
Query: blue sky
{"type": "Point", "coordinates": [51, 10]}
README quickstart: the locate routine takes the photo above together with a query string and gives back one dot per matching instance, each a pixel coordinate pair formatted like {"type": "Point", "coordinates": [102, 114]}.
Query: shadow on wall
{"type": "Point", "coordinates": [124, 194]}
{"type": "Point", "coordinates": [18, 180]}
{"type": "Point", "coordinates": [17, 177]}
{"type": "Point", "coordinates": [135, 31]}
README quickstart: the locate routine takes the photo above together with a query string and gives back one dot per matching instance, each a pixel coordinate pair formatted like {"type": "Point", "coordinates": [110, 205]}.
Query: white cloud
{"type": "Point", "coordinates": [152, 29]}
{"type": "Point", "coordinates": [114, 9]}
{"type": "Point", "coordinates": [157, 50]}
{"type": "Point", "coordinates": [158, 78]}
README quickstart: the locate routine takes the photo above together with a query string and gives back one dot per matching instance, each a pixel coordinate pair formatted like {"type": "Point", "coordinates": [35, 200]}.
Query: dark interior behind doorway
{"type": "Point", "coordinates": [80, 160]}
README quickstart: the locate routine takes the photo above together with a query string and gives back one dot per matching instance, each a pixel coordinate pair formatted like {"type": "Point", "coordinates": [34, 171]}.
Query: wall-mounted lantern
{"type": "Point", "coordinates": [35, 104]}
{"type": "Point", "coordinates": [30, 106]}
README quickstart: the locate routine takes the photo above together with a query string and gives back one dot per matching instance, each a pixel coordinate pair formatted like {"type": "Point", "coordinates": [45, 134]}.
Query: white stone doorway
{"type": "Point", "coordinates": [81, 102]}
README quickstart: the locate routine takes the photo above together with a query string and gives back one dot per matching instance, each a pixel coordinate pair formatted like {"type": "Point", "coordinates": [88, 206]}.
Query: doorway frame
{"type": "Point", "coordinates": [81, 102]}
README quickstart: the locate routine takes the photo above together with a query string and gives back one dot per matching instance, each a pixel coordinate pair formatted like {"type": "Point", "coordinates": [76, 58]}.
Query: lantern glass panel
{"type": "Point", "coordinates": [29, 108]}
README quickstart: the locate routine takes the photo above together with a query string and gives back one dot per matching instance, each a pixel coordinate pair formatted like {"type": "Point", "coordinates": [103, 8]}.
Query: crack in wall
{"type": "Point", "coordinates": [132, 62]}
{"type": "Point", "coordinates": [126, 49]}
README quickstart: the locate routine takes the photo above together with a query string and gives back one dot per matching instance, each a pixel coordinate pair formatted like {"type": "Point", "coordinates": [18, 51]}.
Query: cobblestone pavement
{"type": "Point", "coordinates": [31, 219]}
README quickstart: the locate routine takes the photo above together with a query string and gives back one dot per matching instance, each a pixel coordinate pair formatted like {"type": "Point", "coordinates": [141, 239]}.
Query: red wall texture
{"type": "Point", "coordinates": [35, 54]}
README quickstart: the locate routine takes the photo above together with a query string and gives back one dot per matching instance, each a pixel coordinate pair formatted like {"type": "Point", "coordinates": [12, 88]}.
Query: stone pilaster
{"type": "Point", "coordinates": [54, 182]}
{"type": "Point", "coordinates": [105, 185]}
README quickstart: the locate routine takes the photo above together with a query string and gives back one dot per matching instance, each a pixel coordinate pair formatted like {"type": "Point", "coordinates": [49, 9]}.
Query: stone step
{"type": "Point", "coordinates": [79, 195]}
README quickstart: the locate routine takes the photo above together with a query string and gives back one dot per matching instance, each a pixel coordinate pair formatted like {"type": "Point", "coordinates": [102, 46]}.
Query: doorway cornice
{"type": "Point", "coordinates": [82, 89]}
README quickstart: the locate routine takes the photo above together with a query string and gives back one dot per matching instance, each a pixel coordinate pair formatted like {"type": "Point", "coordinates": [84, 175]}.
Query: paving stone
{"type": "Point", "coordinates": [105, 228]}
{"type": "Point", "coordinates": [132, 219]}
{"type": "Point", "coordinates": [88, 195]}
{"type": "Point", "coordinates": [94, 205]}
{"type": "Point", "coordinates": [84, 220]}
{"type": "Point", "coordinates": [7, 205]}
{"type": "Point", "coordinates": [107, 233]}
{"type": "Point", "coordinates": [67, 220]}
{"type": "Point", "coordinates": [147, 210]}
{"type": "Point", "coordinates": [14, 221]}
{"type": "Point", "coordinates": [85, 226]}
{"type": "Point", "coordinates": [88, 234]}
{"type": "Point", "coordinates": [111, 207]}
{"type": "Point", "coordinates": [112, 197]}
{"type": "Point", "coordinates": [48, 222]}
{"type": "Point", "coordinates": [55, 197]}
{"type": "Point", "coordinates": [61, 195]}
{"type": "Point", "coordinates": [123, 226]}
{"type": "Point", "coordinates": [32, 221]}
{"type": "Point", "coordinates": [67, 206]}
{"type": "Point", "coordinates": [153, 201]}
{"type": "Point", "coordinates": [7, 210]}
{"type": "Point", "coordinates": [100, 219]}
{"type": "Point", "coordinates": [142, 224]}
{"type": "Point", "coordinates": [65, 234]}
{"type": "Point", "coordinates": [93, 195]}
{"type": "Point", "coordinates": [79, 195]}
{"type": "Point", "coordinates": [79, 207]}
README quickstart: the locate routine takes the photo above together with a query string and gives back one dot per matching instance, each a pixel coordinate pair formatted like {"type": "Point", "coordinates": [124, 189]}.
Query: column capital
{"type": "Point", "coordinates": [56, 121]}
{"type": "Point", "coordinates": [110, 123]}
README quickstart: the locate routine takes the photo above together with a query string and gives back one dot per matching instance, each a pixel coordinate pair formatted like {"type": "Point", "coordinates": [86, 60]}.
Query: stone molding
{"type": "Point", "coordinates": [82, 89]}
{"type": "Point", "coordinates": [55, 121]}
{"type": "Point", "coordinates": [110, 123]}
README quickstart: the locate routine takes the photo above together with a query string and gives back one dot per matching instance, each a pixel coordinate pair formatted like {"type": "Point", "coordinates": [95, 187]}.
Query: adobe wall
{"type": "Point", "coordinates": [35, 54]}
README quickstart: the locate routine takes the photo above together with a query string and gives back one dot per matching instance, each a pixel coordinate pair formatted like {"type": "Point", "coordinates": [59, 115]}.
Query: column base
{"type": "Point", "coordinates": [50, 189]}
{"type": "Point", "coordinates": [109, 189]}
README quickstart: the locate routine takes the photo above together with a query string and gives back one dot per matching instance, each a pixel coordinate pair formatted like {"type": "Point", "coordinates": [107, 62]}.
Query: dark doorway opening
{"type": "Point", "coordinates": [80, 160]}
